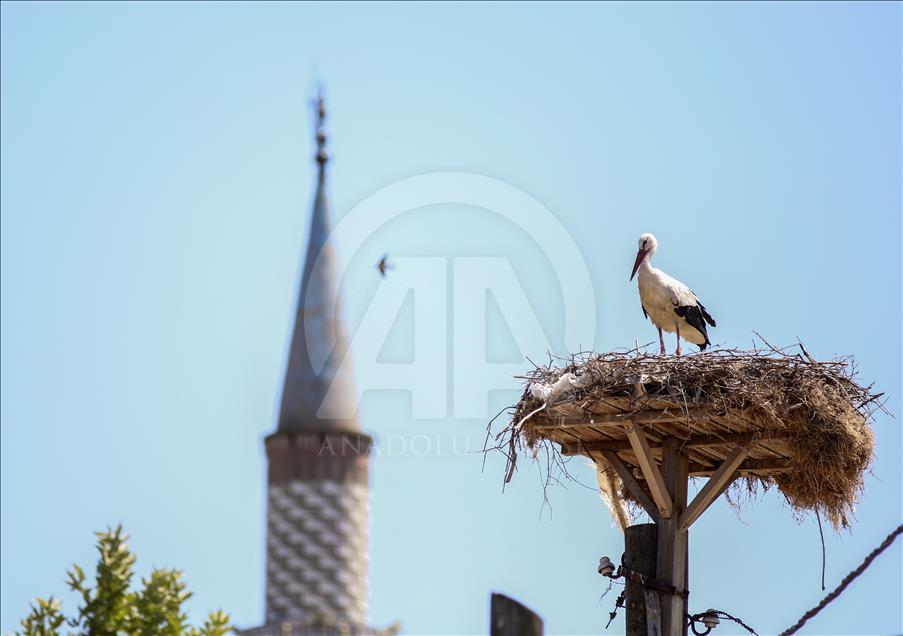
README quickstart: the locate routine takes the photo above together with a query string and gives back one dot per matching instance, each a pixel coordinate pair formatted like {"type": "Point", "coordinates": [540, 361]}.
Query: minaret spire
{"type": "Point", "coordinates": [318, 394]}
{"type": "Point", "coordinates": [318, 459]}
{"type": "Point", "coordinates": [322, 155]}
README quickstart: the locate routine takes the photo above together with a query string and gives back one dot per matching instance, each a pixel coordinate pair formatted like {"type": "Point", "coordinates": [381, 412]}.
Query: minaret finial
{"type": "Point", "coordinates": [322, 155]}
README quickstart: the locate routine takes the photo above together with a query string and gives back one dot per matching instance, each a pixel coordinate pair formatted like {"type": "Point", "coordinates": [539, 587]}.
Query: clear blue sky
{"type": "Point", "coordinates": [156, 181]}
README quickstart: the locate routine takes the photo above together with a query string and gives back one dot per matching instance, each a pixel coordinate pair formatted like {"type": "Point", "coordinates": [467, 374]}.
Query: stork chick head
{"type": "Point", "coordinates": [647, 245]}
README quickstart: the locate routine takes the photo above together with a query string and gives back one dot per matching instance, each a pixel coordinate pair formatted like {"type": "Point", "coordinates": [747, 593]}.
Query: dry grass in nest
{"type": "Point", "coordinates": [821, 413]}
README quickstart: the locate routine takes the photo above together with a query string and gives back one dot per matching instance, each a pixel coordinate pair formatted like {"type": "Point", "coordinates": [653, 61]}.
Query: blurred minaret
{"type": "Point", "coordinates": [317, 505]}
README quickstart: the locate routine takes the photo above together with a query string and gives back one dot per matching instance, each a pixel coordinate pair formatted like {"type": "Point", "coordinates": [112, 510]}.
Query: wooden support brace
{"type": "Point", "coordinates": [632, 484]}
{"type": "Point", "coordinates": [650, 470]}
{"type": "Point", "coordinates": [716, 485]}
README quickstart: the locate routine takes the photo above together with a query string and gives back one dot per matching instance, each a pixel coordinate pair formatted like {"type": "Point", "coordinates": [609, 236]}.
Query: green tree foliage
{"type": "Point", "coordinates": [110, 609]}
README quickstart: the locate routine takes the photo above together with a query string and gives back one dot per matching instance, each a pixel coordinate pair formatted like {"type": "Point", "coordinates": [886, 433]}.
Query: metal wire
{"type": "Point", "coordinates": [618, 603]}
{"type": "Point", "coordinates": [652, 583]}
{"type": "Point", "coordinates": [720, 614]}
{"type": "Point", "coordinates": [849, 578]}
{"type": "Point", "coordinates": [822, 535]}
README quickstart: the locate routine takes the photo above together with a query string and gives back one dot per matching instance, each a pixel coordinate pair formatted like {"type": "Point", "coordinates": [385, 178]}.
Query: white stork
{"type": "Point", "coordinates": [670, 304]}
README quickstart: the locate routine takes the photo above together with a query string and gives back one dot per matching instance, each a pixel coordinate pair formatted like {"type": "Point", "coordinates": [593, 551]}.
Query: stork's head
{"type": "Point", "coordinates": [647, 245]}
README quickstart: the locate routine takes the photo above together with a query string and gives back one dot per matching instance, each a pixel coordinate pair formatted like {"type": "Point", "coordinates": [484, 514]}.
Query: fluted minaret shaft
{"type": "Point", "coordinates": [317, 513]}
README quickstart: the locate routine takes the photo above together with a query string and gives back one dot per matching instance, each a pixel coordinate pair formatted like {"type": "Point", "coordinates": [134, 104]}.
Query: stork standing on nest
{"type": "Point", "coordinates": [670, 304]}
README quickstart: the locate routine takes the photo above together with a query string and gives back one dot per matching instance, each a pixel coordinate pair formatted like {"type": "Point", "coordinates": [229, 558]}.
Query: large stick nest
{"type": "Point", "coordinates": [819, 410]}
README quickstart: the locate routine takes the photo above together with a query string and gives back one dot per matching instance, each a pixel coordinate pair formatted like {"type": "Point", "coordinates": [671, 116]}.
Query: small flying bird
{"type": "Point", "coordinates": [670, 304]}
{"type": "Point", "coordinates": [384, 265]}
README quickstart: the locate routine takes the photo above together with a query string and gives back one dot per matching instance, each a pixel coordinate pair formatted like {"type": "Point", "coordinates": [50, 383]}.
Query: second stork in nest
{"type": "Point", "coordinates": [670, 304]}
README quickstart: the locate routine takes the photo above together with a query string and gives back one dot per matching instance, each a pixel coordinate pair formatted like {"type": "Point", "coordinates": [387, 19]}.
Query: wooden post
{"type": "Point", "coordinates": [510, 618]}
{"type": "Point", "coordinates": [640, 543]}
{"type": "Point", "coordinates": [671, 564]}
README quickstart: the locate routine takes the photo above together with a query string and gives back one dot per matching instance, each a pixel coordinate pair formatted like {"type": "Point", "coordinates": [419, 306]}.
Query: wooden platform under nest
{"type": "Point", "coordinates": [706, 438]}
{"type": "Point", "coordinates": [771, 417]}
{"type": "Point", "coordinates": [629, 435]}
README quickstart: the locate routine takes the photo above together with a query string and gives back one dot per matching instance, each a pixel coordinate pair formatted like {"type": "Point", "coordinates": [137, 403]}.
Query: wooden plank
{"type": "Point", "coordinates": [697, 469]}
{"type": "Point", "coordinates": [710, 427]}
{"type": "Point", "coordinates": [775, 446]}
{"type": "Point", "coordinates": [671, 561]}
{"type": "Point", "coordinates": [716, 484]}
{"type": "Point", "coordinates": [568, 438]}
{"type": "Point", "coordinates": [694, 441]}
{"type": "Point", "coordinates": [510, 618]}
{"type": "Point", "coordinates": [653, 614]}
{"type": "Point", "coordinates": [651, 416]}
{"type": "Point", "coordinates": [650, 470]}
{"type": "Point", "coordinates": [769, 466]}
{"type": "Point", "coordinates": [585, 448]}
{"type": "Point", "coordinates": [632, 484]}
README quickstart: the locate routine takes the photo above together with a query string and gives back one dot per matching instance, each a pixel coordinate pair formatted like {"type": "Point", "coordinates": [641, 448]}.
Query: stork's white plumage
{"type": "Point", "coordinates": [670, 304]}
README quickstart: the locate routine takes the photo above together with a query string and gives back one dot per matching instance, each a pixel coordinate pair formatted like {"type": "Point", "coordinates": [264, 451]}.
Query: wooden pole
{"type": "Point", "coordinates": [510, 618]}
{"type": "Point", "coordinates": [671, 564]}
{"type": "Point", "coordinates": [640, 543]}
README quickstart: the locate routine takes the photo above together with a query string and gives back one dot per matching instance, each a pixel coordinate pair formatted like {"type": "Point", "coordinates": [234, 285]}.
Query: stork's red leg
{"type": "Point", "coordinates": [661, 341]}
{"type": "Point", "coordinates": [678, 339]}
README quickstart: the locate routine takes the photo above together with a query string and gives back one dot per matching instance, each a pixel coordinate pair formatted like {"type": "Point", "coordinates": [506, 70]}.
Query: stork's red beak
{"type": "Point", "coordinates": [640, 255]}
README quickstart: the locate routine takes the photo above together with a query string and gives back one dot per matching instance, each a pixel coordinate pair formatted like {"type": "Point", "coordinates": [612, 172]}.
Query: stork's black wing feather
{"type": "Point", "coordinates": [645, 315]}
{"type": "Point", "coordinates": [706, 315]}
{"type": "Point", "coordinates": [693, 314]}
